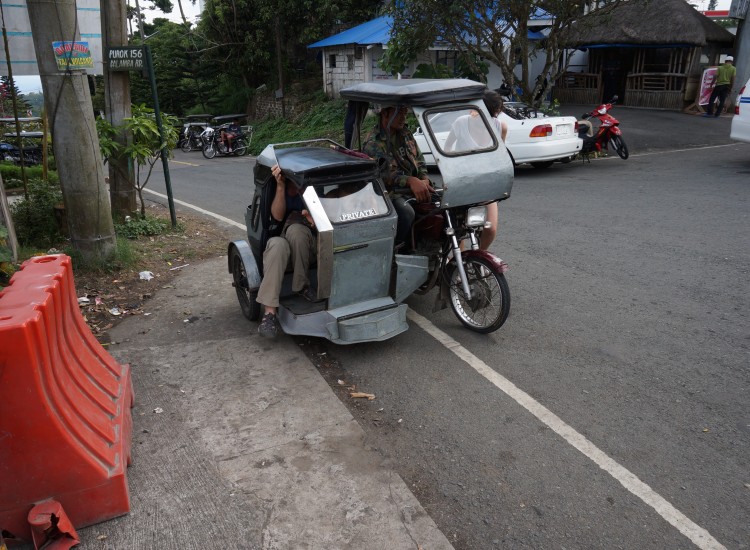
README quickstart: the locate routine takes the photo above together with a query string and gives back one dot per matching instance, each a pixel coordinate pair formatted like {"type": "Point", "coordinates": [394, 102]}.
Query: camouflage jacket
{"type": "Point", "coordinates": [406, 160]}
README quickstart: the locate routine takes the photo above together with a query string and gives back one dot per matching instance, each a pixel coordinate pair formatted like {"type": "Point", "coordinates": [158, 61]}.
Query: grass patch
{"type": "Point", "coordinates": [324, 120]}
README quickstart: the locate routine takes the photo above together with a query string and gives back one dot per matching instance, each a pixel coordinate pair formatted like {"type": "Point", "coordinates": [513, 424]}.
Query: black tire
{"type": "Point", "coordinates": [240, 148]}
{"type": "Point", "coordinates": [209, 150]}
{"type": "Point", "coordinates": [545, 164]}
{"type": "Point", "coordinates": [489, 306]}
{"type": "Point", "coordinates": [186, 145]}
{"type": "Point", "coordinates": [249, 306]}
{"type": "Point", "coordinates": [619, 145]}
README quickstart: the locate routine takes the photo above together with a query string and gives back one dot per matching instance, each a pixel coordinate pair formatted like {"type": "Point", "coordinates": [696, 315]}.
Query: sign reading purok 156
{"type": "Point", "coordinates": [126, 59]}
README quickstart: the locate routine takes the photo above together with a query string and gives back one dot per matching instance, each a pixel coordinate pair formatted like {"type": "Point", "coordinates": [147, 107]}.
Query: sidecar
{"type": "Point", "coordinates": [361, 282]}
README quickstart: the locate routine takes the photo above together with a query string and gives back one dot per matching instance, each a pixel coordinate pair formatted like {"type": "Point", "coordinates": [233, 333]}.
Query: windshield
{"type": "Point", "coordinates": [461, 131]}
{"type": "Point", "coordinates": [352, 201]}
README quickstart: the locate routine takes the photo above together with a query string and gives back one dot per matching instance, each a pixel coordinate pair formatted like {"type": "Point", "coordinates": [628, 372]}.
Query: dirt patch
{"type": "Point", "coordinates": [106, 298]}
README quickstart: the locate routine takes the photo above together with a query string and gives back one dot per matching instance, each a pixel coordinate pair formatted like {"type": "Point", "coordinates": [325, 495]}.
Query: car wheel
{"type": "Point", "coordinates": [545, 164]}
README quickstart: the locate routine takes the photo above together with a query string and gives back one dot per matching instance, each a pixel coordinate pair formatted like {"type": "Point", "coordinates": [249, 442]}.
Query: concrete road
{"type": "Point", "coordinates": [611, 411]}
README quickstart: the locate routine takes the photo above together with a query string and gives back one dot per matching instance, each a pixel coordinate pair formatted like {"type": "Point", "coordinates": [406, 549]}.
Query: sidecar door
{"type": "Point", "coordinates": [474, 164]}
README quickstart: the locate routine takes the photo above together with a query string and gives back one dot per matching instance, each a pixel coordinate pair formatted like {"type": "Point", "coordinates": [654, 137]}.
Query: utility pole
{"type": "Point", "coordinates": [117, 105]}
{"type": "Point", "coordinates": [68, 103]}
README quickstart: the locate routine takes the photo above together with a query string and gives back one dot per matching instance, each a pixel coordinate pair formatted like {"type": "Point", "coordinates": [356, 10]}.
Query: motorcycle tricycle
{"type": "Point", "coordinates": [608, 132]}
{"type": "Point", "coordinates": [213, 144]}
{"type": "Point", "coordinates": [361, 281]}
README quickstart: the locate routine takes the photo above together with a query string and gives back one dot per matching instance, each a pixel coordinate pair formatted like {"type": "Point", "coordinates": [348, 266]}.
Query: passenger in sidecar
{"type": "Point", "coordinates": [354, 225]}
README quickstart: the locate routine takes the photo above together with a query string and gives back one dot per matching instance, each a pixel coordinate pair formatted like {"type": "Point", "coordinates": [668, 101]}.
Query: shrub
{"type": "Point", "coordinates": [11, 174]}
{"type": "Point", "coordinates": [34, 218]}
{"type": "Point", "coordinates": [141, 227]}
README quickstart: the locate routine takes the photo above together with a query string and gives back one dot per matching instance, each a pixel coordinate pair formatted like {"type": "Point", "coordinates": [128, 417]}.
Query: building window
{"type": "Point", "coordinates": [332, 61]}
{"type": "Point", "coordinates": [358, 53]}
{"type": "Point", "coordinates": [350, 62]}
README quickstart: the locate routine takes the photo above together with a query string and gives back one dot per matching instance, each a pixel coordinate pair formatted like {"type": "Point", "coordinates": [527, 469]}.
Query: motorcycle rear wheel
{"type": "Point", "coordinates": [489, 305]}
{"type": "Point", "coordinates": [248, 304]}
{"type": "Point", "coordinates": [209, 151]}
{"type": "Point", "coordinates": [619, 145]}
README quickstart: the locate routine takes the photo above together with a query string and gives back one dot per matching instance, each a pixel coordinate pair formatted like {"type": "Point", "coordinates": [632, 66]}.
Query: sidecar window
{"type": "Point", "coordinates": [461, 131]}
{"type": "Point", "coordinates": [352, 201]}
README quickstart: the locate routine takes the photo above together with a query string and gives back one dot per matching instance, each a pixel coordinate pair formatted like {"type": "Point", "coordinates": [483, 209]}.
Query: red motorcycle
{"type": "Point", "coordinates": [608, 132]}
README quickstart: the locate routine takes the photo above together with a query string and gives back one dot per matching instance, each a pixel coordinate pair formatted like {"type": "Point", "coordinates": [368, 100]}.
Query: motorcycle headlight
{"type": "Point", "coordinates": [476, 216]}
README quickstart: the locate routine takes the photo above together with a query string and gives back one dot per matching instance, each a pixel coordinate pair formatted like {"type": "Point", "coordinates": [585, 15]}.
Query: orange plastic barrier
{"type": "Point", "coordinates": [65, 422]}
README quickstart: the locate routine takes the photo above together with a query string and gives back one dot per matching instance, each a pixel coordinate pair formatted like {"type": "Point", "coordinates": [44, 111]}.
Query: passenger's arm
{"type": "Point", "coordinates": [278, 205]}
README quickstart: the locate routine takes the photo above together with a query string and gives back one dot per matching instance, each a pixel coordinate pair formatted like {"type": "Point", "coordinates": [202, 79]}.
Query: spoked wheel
{"type": "Point", "coordinates": [249, 306]}
{"type": "Point", "coordinates": [619, 145]}
{"type": "Point", "coordinates": [489, 305]}
{"type": "Point", "coordinates": [240, 148]}
{"type": "Point", "coordinates": [187, 145]}
{"type": "Point", "coordinates": [209, 151]}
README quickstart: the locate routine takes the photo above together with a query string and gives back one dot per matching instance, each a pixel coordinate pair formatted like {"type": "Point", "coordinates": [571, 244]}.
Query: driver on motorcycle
{"type": "Point", "coordinates": [229, 134]}
{"type": "Point", "coordinates": [406, 175]}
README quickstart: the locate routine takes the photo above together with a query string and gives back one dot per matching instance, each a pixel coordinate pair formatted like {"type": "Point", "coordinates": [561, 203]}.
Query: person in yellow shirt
{"type": "Point", "coordinates": [724, 82]}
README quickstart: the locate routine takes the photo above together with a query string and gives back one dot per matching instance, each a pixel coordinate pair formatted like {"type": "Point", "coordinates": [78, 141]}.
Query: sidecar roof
{"type": "Point", "coordinates": [415, 91]}
{"type": "Point", "coordinates": [306, 163]}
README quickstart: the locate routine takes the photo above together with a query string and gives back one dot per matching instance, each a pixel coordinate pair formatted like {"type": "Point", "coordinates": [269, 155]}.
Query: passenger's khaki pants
{"type": "Point", "coordinates": [295, 247]}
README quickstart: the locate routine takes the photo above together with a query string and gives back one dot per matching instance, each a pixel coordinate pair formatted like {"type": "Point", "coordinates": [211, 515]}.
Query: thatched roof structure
{"type": "Point", "coordinates": [648, 23]}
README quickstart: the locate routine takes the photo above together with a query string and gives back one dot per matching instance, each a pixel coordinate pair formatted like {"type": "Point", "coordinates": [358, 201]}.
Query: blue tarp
{"type": "Point", "coordinates": [377, 31]}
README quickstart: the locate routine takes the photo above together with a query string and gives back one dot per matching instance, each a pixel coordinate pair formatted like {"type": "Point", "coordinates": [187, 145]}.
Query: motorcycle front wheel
{"type": "Point", "coordinates": [489, 305]}
{"type": "Point", "coordinates": [209, 151]}
{"type": "Point", "coordinates": [186, 145]}
{"type": "Point", "coordinates": [619, 145]}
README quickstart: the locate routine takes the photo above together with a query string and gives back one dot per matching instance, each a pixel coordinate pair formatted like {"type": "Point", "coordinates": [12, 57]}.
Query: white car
{"type": "Point", "coordinates": [532, 137]}
{"type": "Point", "coordinates": [741, 120]}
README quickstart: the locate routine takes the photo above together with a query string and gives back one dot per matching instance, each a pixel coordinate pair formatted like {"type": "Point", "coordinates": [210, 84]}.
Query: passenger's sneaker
{"type": "Point", "coordinates": [268, 327]}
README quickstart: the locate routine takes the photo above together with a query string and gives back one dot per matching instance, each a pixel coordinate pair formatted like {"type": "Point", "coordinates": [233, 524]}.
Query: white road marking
{"type": "Point", "coordinates": [200, 210]}
{"type": "Point", "coordinates": [697, 534]}
{"type": "Point", "coordinates": [636, 155]}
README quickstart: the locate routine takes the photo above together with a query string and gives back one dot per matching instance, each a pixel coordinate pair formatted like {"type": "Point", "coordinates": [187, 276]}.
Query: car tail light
{"type": "Point", "coordinates": [737, 103]}
{"type": "Point", "coordinates": [543, 130]}
{"type": "Point", "coordinates": [576, 128]}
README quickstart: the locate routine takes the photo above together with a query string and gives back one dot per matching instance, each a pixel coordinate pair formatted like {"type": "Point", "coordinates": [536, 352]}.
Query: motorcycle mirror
{"type": "Point", "coordinates": [615, 98]}
{"type": "Point", "coordinates": [585, 116]}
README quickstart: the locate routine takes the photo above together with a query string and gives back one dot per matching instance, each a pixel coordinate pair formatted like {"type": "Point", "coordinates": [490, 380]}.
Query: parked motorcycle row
{"type": "Point", "coordinates": [207, 133]}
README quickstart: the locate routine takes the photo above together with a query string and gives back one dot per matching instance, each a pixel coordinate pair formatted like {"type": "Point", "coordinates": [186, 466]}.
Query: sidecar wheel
{"type": "Point", "coordinates": [240, 149]}
{"type": "Point", "coordinates": [619, 144]}
{"type": "Point", "coordinates": [489, 305]}
{"type": "Point", "coordinates": [209, 151]}
{"type": "Point", "coordinates": [186, 145]}
{"type": "Point", "coordinates": [249, 306]}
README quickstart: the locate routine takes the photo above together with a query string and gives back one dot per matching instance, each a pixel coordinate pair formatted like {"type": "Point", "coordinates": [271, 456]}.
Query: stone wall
{"type": "Point", "coordinates": [265, 105]}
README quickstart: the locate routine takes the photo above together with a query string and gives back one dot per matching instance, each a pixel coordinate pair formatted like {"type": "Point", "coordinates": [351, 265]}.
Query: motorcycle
{"type": "Point", "coordinates": [193, 140]}
{"type": "Point", "coordinates": [608, 132]}
{"type": "Point", "coordinates": [360, 279]}
{"type": "Point", "coordinates": [213, 144]}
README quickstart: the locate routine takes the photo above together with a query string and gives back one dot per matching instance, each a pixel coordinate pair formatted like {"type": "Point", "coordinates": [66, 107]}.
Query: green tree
{"type": "Point", "coordinates": [146, 147]}
{"type": "Point", "coordinates": [493, 30]}
{"type": "Point", "coordinates": [7, 86]}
